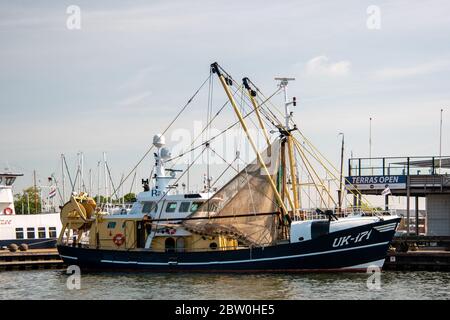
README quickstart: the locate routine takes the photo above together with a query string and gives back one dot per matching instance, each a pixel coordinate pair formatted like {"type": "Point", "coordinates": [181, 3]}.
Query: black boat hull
{"type": "Point", "coordinates": [352, 249]}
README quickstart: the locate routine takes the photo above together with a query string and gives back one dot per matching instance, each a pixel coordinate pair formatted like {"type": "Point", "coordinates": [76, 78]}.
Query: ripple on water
{"type": "Point", "coordinates": [51, 284]}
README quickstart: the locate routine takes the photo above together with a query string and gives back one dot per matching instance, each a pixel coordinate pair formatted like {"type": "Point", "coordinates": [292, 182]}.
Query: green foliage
{"type": "Point", "coordinates": [102, 199]}
{"type": "Point", "coordinates": [129, 197]}
{"type": "Point", "coordinates": [26, 200]}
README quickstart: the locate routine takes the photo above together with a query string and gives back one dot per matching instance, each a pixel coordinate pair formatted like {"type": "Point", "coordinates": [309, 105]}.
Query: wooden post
{"type": "Point", "coordinates": [408, 194]}
{"type": "Point", "coordinates": [417, 215]}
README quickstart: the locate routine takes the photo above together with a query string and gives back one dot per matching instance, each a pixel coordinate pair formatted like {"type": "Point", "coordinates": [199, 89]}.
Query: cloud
{"type": "Point", "coordinates": [321, 65]}
{"type": "Point", "coordinates": [137, 80]}
{"type": "Point", "coordinates": [420, 69]}
{"type": "Point", "coordinates": [131, 100]}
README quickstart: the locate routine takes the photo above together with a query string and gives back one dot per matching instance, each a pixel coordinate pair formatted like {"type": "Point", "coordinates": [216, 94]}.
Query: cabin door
{"type": "Point", "coordinates": [140, 234]}
{"type": "Point", "coordinates": [130, 234]}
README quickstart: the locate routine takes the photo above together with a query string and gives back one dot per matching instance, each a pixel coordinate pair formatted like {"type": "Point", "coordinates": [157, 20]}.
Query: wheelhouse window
{"type": "Point", "coordinates": [19, 233]}
{"type": "Point", "coordinates": [184, 206]}
{"type": "Point", "coordinates": [9, 181]}
{"type": "Point", "coordinates": [149, 207]}
{"type": "Point", "coordinates": [171, 207]}
{"type": "Point", "coordinates": [41, 232]}
{"type": "Point", "coordinates": [195, 206]}
{"type": "Point", "coordinates": [52, 232]}
{"type": "Point", "coordinates": [30, 233]}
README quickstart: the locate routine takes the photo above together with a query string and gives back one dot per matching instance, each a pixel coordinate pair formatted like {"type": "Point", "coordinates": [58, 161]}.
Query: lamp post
{"type": "Point", "coordinates": [440, 143]}
{"type": "Point", "coordinates": [370, 144]}
{"type": "Point", "coordinates": [340, 193]}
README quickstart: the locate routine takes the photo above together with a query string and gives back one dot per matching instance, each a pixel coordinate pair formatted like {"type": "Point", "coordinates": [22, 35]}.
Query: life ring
{"type": "Point", "coordinates": [8, 211]}
{"type": "Point", "coordinates": [119, 239]}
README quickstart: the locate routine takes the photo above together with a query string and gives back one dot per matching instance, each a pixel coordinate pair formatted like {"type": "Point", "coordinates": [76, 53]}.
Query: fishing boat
{"type": "Point", "coordinates": [34, 231]}
{"type": "Point", "coordinates": [255, 222]}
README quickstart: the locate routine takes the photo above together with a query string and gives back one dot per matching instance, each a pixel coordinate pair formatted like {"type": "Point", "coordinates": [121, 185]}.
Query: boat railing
{"type": "Point", "coordinates": [85, 244]}
{"type": "Point", "coordinates": [312, 214]}
{"type": "Point", "coordinates": [116, 208]}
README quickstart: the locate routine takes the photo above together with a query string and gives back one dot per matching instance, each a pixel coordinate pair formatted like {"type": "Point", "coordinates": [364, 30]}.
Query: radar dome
{"type": "Point", "coordinates": [159, 140]}
{"type": "Point", "coordinates": [165, 153]}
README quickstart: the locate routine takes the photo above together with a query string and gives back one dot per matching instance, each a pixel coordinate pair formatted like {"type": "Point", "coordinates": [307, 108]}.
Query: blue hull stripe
{"type": "Point", "coordinates": [240, 261]}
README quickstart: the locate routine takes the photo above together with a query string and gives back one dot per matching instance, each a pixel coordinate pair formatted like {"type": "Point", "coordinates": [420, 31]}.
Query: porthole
{"type": "Point", "coordinates": [213, 245]}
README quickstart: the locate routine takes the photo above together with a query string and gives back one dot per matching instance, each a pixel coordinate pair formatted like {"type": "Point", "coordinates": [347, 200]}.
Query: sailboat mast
{"type": "Point", "coordinates": [35, 193]}
{"type": "Point", "coordinates": [106, 177]}
{"type": "Point", "coordinates": [63, 175]}
{"type": "Point", "coordinates": [215, 69]}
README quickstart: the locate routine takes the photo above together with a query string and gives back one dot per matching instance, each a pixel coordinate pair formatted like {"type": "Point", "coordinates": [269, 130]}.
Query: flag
{"type": "Point", "coordinates": [52, 193]}
{"type": "Point", "coordinates": [386, 191]}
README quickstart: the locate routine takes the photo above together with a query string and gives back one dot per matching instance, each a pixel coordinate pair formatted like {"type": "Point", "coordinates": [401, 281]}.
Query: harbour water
{"type": "Point", "coordinates": [52, 284]}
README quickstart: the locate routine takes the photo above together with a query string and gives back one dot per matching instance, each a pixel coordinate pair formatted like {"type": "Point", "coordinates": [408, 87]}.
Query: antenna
{"type": "Point", "coordinates": [283, 83]}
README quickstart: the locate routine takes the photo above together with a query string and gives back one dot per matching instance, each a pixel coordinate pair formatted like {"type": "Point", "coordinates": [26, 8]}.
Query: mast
{"type": "Point", "coordinates": [63, 176]}
{"type": "Point", "coordinates": [83, 186]}
{"type": "Point", "coordinates": [35, 193]}
{"type": "Point", "coordinates": [79, 172]}
{"type": "Point", "coordinates": [252, 95]}
{"type": "Point", "coordinates": [98, 182]}
{"type": "Point", "coordinates": [106, 177]}
{"type": "Point", "coordinates": [90, 181]}
{"type": "Point", "coordinates": [340, 195]}
{"type": "Point", "coordinates": [215, 69]}
{"type": "Point", "coordinates": [288, 117]}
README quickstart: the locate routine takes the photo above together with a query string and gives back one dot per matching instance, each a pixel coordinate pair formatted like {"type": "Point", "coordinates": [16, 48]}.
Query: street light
{"type": "Point", "coordinates": [440, 143]}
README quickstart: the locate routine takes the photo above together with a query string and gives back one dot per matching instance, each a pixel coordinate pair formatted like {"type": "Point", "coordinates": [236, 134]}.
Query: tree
{"type": "Point", "coordinates": [129, 197]}
{"type": "Point", "coordinates": [25, 202]}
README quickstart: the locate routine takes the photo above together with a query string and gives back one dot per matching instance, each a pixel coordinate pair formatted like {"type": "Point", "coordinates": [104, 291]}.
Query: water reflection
{"type": "Point", "coordinates": [51, 284]}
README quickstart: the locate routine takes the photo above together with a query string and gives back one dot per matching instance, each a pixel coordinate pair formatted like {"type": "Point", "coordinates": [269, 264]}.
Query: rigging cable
{"type": "Point", "coordinates": [165, 130]}
{"type": "Point", "coordinates": [179, 178]}
{"type": "Point", "coordinates": [222, 132]}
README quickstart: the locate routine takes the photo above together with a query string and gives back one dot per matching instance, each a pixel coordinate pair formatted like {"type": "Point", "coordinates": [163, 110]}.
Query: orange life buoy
{"type": "Point", "coordinates": [8, 211]}
{"type": "Point", "coordinates": [119, 239]}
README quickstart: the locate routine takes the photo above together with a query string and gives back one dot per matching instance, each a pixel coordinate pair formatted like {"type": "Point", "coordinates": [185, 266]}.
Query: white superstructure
{"type": "Point", "coordinates": [36, 230]}
{"type": "Point", "coordinates": [159, 200]}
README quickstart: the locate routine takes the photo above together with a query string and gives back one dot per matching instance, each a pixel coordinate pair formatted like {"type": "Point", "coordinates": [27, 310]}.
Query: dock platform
{"type": "Point", "coordinates": [30, 260]}
{"type": "Point", "coordinates": [416, 253]}
{"type": "Point", "coordinates": [420, 260]}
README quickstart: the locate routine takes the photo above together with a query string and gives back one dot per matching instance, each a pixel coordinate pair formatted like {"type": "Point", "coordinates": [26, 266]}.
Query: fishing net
{"type": "Point", "coordinates": [245, 208]}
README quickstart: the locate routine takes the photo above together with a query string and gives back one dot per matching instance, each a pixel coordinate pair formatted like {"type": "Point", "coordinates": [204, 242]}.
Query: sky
{"type": "Point", "coordinates": [120, 78]}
